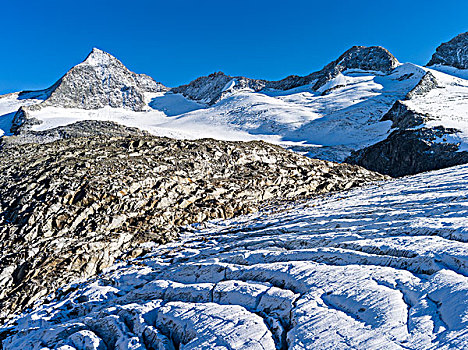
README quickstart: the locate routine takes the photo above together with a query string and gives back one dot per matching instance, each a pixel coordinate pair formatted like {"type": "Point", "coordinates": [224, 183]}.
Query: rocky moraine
{"type": "Point", "coordinates": [70, 208]}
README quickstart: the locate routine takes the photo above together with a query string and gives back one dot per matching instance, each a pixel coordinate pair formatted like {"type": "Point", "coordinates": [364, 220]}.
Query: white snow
{"type": "Point", "coordinates": [172, 104]}
{"type": "Point", "coordinates": [329, 125]}
{"type": "Point", "coordinates": [9, 105]}
{"type": "Point", "coordinates": [229, 85]}
{"type": "Point", "coordinates": [380, 267]}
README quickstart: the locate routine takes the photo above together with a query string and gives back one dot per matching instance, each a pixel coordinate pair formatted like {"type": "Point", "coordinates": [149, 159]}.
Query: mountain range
{"type": "Point", "coordinates": [135, 216]}
{"type": "Point", "coordinates": [365, 108]}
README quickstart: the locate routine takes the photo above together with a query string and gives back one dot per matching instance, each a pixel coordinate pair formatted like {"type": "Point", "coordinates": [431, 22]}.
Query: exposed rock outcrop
{"type": "Point", "coordinates": [403, 117]}
{"type": "Point", "coordinates": [414, 145]}
{"type": "Point", "coordinates": [407, 152]}
{"type": "Point", "coordinates": [101, 80]}
{"type": "Point", "coordinates": [426, 84]}
{"type": "Point", "coordinates": [453, 53]}
{"type": "Point", "coordinates": [374, 58]}
{"type": "Point", "coordinates": [70, 208]}
{"type": "Point", "coordinates": [212, 88]}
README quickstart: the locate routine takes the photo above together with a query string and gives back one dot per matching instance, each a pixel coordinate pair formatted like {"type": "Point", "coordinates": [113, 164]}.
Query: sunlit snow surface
{"type": "Point", "coordinates": [380, 267]}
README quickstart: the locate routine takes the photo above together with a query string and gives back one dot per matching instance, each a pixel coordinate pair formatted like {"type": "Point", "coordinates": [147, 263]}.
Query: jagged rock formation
{"type": "Point", "coordinates": [101, 80]}
{"type": "Point", "coordinates": [211, 89]}
{"type": "Point", "coordinates": [413, 146]}
{"type": "Point", "coordinates": [426, 84]}
{"type": "Point", "coordinates": [407, 152]}
{"type": "Point", "coordinates": [403, 117]}
{"type": "Point", "coordinates": [374, 58]}
{"type": "Point", "coordinates": [453, 53]}
{"type": "Point", "coordinates": [69, 208]}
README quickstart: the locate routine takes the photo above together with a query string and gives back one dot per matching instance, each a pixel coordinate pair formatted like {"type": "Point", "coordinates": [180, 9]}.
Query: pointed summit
{"type": "Point", "coordinates": [101, 80]}
{"type": "Point", "coordinates": [453, 53]}
{"type": "Point", "coordinates": [98, 57]}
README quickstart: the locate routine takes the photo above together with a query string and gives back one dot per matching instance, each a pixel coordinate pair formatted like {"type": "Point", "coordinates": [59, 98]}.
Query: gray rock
{"type": "Point", "coordinates": [84, 128]}
{"type": "Point", "coordinates": [407, 152]}
{"type": "Point", "coordinates": [212, 88]}
{"type": "Point", "coordinates": [412, 147]}
{"type": "Point", "coordinates": [100, 80]}
{"type": "Point", "coordinates": [403, 117]}
{"type": "Point", "coordinates": [70, 208]}
{"type": "Point", "coordinates": [426, 84]}
{"type": "Point", "coordinates": [453, 53]}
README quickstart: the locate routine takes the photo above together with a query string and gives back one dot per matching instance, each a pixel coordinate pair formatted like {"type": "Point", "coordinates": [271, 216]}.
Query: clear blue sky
{"type": "Point", "coordinates": [176, 41]}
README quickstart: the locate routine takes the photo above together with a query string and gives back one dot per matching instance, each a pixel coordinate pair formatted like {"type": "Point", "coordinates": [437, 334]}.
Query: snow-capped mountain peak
{"type": "Point", "coordinates": [101, 80]}
{"type": "Point", "coordinates": [99, 57]}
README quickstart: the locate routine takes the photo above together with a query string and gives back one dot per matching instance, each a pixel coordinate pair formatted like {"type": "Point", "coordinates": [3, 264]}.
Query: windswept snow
{"type": "Point", "coordinates": [380, 267]}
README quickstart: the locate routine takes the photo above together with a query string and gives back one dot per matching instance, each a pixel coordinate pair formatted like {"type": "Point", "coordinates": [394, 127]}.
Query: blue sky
{"type": "Point", "coordinates": [177, 41]}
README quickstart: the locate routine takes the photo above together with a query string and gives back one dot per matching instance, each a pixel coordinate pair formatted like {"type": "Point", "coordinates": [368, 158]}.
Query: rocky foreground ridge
{"type": "Point", "coordinates": [72, 207]}
{"type": "Point", "coordinates": [212, 88]}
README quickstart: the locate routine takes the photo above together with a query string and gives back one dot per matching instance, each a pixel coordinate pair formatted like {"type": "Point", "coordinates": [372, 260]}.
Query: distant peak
{"type": "Point", "coordinates": [453, 53]}
{"type": "Point", "coordinates": [375, 58]}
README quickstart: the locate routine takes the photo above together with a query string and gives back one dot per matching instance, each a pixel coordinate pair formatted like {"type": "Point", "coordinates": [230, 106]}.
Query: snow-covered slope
{"type": "Point", "coordinates": [343, 115]}
{"type": "Point", "coordinates": [327, 114]}
{"type": "Point", "coordinates": [9, 105]}
{"type": "Point", "coordinates": [381, 267]}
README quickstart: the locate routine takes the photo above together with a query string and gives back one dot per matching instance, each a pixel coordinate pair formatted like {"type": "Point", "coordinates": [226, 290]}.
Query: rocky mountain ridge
{"type": "Point", "coordinates": [70, 208]}
{"type": "Point", "coordinates": [343, 108]}
{"type": "Point", "coordinates": [453, 53]}
{"type": "Point", "coordinates": [413, 146]}
{"type": "Point", "coordinates": [210, 89]}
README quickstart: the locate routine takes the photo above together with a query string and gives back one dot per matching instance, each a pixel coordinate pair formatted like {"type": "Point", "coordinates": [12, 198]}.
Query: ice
{"type": "Point", "coordinates": [380, 267]}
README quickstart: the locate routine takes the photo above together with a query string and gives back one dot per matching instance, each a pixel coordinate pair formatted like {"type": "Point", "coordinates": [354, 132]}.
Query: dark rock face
{"type": "Point", "coordinates": [453, 53]}
{"type": "Point", "coordinates": [22, 121]}
{"type": "Point", "coordinates": [374, 58]}
{"type": "Point", "coordinates": [407, 152]}
{"type": "Point", "coordinates": [69, 208]}
{"type": "Point", "coordinates": [426, 84]}
{"type": "Point", "coordinates": [403, 117]}
{"type": "Point", "coordinates": [210, 89]}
